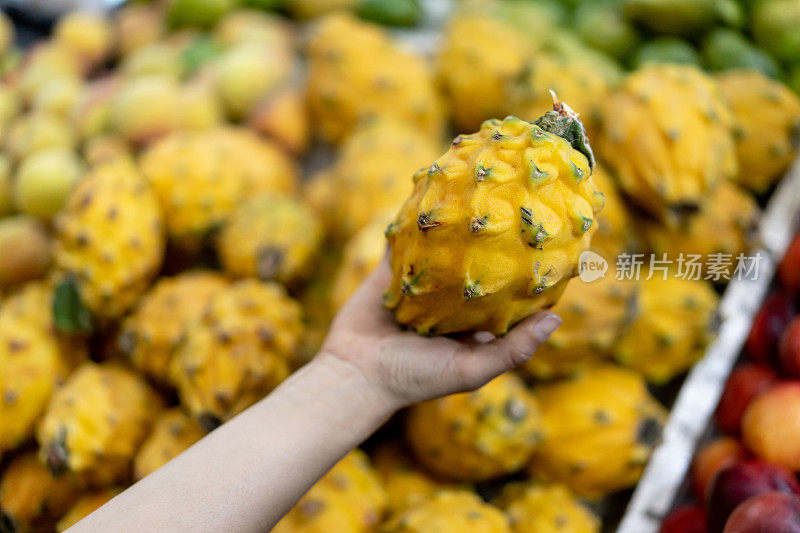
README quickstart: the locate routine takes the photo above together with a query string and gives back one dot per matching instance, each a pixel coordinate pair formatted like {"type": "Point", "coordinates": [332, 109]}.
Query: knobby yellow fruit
{"type": "Point", "coordinates": [494, 227]}
{"type": "Point", "coordinates": [173, 432]}
{"type": "Point", "coordinates": [538, 508]}
{"type": "Point", "coordinates": [478, 435]}
{"type": "Point", "coordinates": [455, 510]}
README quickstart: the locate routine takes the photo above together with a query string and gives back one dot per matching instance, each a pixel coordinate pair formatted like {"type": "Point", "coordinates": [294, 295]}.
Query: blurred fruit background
{"type": "Point", "coordinates": [190, 189]}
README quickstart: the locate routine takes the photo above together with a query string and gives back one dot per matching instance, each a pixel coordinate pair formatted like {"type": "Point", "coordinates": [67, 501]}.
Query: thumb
{"type": "Point", "coordinates": [518, 345]}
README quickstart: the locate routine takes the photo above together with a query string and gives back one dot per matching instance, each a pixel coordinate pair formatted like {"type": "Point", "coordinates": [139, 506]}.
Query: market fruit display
{"type": "Point", "coordinates": [478, 435]}
{"type": "Point", "coordinates": [190, 190]}
{"type": "Point", "coordinates": [672, 123]}
{"type": "Point", "coordinates": [450, 511]}
{"type": "Point", "coordinates": [521, 247]}
{"type": "Point", "coordinates": [600, 428]}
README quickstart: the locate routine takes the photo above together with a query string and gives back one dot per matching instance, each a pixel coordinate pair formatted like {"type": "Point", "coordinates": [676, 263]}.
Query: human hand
{"type": "Point", "coordinates": [402, 367]}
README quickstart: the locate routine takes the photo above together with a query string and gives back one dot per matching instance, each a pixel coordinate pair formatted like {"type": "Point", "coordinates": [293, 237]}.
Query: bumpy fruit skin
{"type": "Point", "coordinates": [31, 366]}
{"type": "Point", "coordinates": [349, 498]}
{"type": "Point", "coordinates": [667, 136]}
{"type": "Point", "coordinates": [86, 505]}
{"type": "Point", "coordinates": [594, 316]}
{"type": "Point", "coordinates": [357, 72]}
{"type": "Point", "coordinates": [616, 233]}
{"type": "Point", "coordinates": [97, 420]}
{"type": "Point", "coordinates": [371, 176]}
{"type": "Point", "coordinates": [239, 350]}
{"type": "Point", "coordinates": [453, 510]}
{"type": "Point", "coordinates": [405, 482]}
{"type": "Point", "coordinates": [493, 229]}
{"type": "Point", "coordinates": [479, 435]}
{"type": "Point", "coordinates": [32, 498]}
{"type": "Point", "coordinates": [576, 81]}
{"type": "Point", "coordinates": [726, 224]}
{"type": "Point", "coordinates": [150, 335]}
{"type": "Point", "coordinates": [675, 320]}
{"type": "Point", "coordinates": [200, 177]}
{"type": "Point", "coordinates": [480, 57]}
{"type": "Point", "coordinates": [361, 255]}
{"type": "Point", "coordinates": [110, 238]}
{"type": "Point", "coordinates": [172, 433]}
{"type": "Point", "coordinates": [601, 427]}
{"type": "Point", "coordinates": [767, 126]}
{"type": "Point", "coordinates": [536, 508]}
{"type": "Point", "coordinates": [270, 238]}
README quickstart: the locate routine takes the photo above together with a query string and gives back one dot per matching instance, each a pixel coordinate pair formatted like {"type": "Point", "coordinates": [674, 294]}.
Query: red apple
{"type": "Point", "coordinates": [735, 483]}
{"type": "Point", "coordinates": [772, 512]}
{"type": "Point", "coordinates": [747, 381]}
{"type": "Point", "coordinates": [710, 459]}
{"type": "Point", "coordinates": [685, 519]}
{"type": "Point", "coordinates": [771, 426]}
{"type": "Point", "coordinates": [775, 314]}
{"type": "Point", "coordinates": [789, 349]}
{"type": "Point", "coordinates": [789, 269]}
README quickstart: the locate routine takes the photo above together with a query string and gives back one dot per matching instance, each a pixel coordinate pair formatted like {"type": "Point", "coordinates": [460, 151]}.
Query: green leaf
{"type": "Point", "coordinates": [70, 314]}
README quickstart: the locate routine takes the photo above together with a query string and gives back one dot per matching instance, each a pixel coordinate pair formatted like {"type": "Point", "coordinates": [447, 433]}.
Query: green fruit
{"type": "Point", "coordinates": [730, 13]}
{"type": "Point", "coordinates": [245, 74]}
{"type": "Point", "coordinates": [565, 45]}
{"type": "Point", "coordinates": [30, 243]}
{"type": "Point", "coordinates": [666, 50]}
{"type": "Point", "coordinates": [404, 13]}
{"type": "Point", "coordinates": [725, 49]}
{"type": "Point", "coordinates": [198, 13]}
{"type": "Point", "coordinates": [602, 26]}
{"type": "Point", "coordinates": [264, 5]}
{"type": "Point", "coordinates": [6, 192]}
{"type": "Point", "coordinates": [672, 17]}
{"type": "Point", "coordinates": [44, 180]}
{"type": "Point", "coordinates": [537, 18]}
{"type": "Point", "coordinates": [776, 27]}
{"type": "Point", "coordinates": [199, 52]}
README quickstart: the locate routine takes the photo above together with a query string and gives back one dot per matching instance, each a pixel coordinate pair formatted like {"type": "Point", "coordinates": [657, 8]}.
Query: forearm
{"type": "Point", "coordinates": [245, 475]}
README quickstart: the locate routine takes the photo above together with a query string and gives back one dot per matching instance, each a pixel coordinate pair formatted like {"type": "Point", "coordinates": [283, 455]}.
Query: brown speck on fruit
{"type": "Point", "coordinates": [112, 213]}
{"type": "Point", "coordinates": [268, 262]}
{"type": "Point", "coordinates": [10, 397]}
{"type": "Point", "coordinates": [265, 335]}
{"type": "Point", "coordinates": [223, 337]}
{"type": "Point", "coordinates": [16, 345]}
{"type": "Point", "coordinates": [478, 224]}
{"type": "Point", "coordinates": [424, 222]}
{"type": "Point", "coordinates": [456, 141]}
{"type": "Point", "coordinates": [311, 508]}
{"type": "Point", "coordinates": [515, 410]}
{"type": "Point", "coordinates": [82, 239]}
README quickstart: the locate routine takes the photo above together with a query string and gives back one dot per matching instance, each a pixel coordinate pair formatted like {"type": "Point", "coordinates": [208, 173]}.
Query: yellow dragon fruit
{"type": "Point", "coordinates": [357, 72]}
{"type": "Point", "coordinates": [150, 335]}
{"type": "Point", "coordinates": [349, 499]}
{"type": "Point", "coordinates": [361, 255]}
{"type": "Point", "coordinates": [243, 345]}
{"type": "Point", "coordinates": [666, 135]}
{"type": "Point", "coordinates": [455, 510]}
{"type": "Point", "coordinates": [538, 508]}
{"type": "Point", "coordinates": [494, 227]}
{"type": "Point", "coordinates": [479, 435]}
{"type": "Point", "coordinates": [172, 433]}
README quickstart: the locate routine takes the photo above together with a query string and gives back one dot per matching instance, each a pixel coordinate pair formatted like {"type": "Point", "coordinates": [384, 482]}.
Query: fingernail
{"type": "Point", "coordinates": [546, 325]}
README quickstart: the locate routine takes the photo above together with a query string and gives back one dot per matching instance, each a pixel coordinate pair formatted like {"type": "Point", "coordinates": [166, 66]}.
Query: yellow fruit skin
{"type": "Point", "coordinates": [270, 238]}
{"type": "Point", "coordinates": [480, 58]}
{"type": "Point", "coordinates": [97, 420]}
{"type": "Point", "coordinates": [30, 368]}
{"type": "Point", "coordinates": [110, 238]}
{"type": "Point", "coordinates": [616, 233]}
{"type": "Point", "coordinates": [535, 508]}
{"type": "Point", "coordinates": [594, 316]}
{"type": "Point", "coordinates": [667, 137]}
{"type": "Point", "coordinates": [173, 432]}
{"type": "Point", "coordinates": [767, 118]}
{"type": "Point", "coordinates": [576, 82]}
{"type": "Point", "coordinates": [87, 35]}
{"type": "Point", "coordinates": [446, 511]}
{"type": "Point", "coordinates": [600, 429]}
{"type": "Point", "coordinates": [479, 435]}
{"type": "Point", "coordinates": [150, 335]}
{"type": "Point", "coordinates": [372, 175]}
{"type": "Point", "coordinates": [356, 72]}
{"type": "Point", "coordinates": [406, 484]}
{"type": "Point", "coordinates": [362, 254]}
{"type": "Point", "coordinates": [675, 320]}
{"type": "Point", "coordinates": [239, 350]}
{"type": "Point", "coordinates": [85, 506]}
{"type": "Point", "coordinates": [492, 231]}
{"type": "Point", "coordinates": [31, 498]}
{"type": "Point", "coordinates": [35, 132]}
{"type": "Point", "coordinates": [283, 117]}
{"type": "Point", "coordinates": [349, 499]}
{"type": "Point", "coordinates": [726, 224]}
{"type": "Point", "coordinates": [200, 177]}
